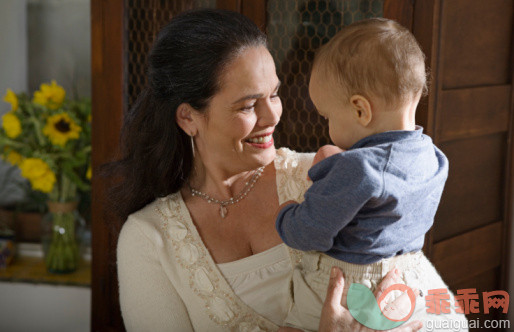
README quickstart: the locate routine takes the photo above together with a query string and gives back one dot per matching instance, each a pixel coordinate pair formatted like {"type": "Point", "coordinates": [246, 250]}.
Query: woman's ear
{"type": "Point", "coordinates": [184, 118]}
{"type": "Point", "coordinates": [361, 109]}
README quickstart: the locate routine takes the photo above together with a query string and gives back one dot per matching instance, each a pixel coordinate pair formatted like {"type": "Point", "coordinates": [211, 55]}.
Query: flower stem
{"type": "Point", "coordinates": [62, 256]}
{"type": "Point", "coordinates": [34, 120]}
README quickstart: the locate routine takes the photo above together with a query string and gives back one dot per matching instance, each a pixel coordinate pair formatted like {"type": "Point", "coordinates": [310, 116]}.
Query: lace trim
{"type": "Point", "coordinates": [223, 307]}
{"type": "Point", "coordinates": [291, 185]}
{"type": "Point", "coordinates": [220, 302]}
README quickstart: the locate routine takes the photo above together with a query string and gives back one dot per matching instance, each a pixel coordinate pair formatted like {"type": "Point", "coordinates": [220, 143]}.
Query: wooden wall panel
{"type": "Point", "coordinates": [470, 115]}
{"type": "Point", "coordinates": [507, 280]}
{"type": "Point", "coordinates": [486, 280]}
{"type": "Point", "coordinates": [402, 11]}
{"type": "Point", "coordinates": [472, 260]}
{"type": "Point", "coordinates": [473, 253]}
{"type": "Point", "coordinates": [475, 42]}
{"type": "Point", "coordinates": [256, 10]}
{"type": "Point", "coordinates": [483, 282]}
{"type": "Point", "coordinates": [473, 195]}
{"type": "Point", "coordinates": [474, 112]}
{"type": "Point", "coordinates": [234, 5]}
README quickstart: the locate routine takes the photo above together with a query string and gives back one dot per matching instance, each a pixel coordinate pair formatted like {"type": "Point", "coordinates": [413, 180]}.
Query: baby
{"type": "Point", "coordinates": [370, 205]}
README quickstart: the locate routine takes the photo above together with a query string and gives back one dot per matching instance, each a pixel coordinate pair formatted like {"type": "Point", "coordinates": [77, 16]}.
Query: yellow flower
{"type": "Point", "coordinates": [14, 158]}
{"type": "Point", "coordinates": [38, 173]}
{"type": "Point", "coordinates": [51, 96]}
{"type": "Point", "coordinates": [60, 128]}
{"type": "Point", "coordinates": [11, 125]}
{"type": "Point", "coordinates": [11, 98]}
{"type": "Point", "coordinates": [89, 172]}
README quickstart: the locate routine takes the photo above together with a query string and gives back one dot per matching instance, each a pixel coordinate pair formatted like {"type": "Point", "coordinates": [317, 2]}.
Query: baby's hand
{"type": "Point", "coordinates": [324, 152]}
{"type": "Point", "coordinates": [283, 205]}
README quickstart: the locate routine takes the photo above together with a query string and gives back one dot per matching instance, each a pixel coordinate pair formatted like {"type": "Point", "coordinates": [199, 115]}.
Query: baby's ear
{"type": "Point", "coordinates": [361, 109]}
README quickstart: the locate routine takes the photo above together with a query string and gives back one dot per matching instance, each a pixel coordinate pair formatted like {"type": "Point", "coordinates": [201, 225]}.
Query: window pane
{"type": "Point", "coordinates": [145, 19]}
{"type": "Point", "coordinates": [296, 28]}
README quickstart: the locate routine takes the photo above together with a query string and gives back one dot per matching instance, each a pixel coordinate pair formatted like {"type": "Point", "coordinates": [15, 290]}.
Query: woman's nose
{"type": "Point", "coordinates": [270, 113]}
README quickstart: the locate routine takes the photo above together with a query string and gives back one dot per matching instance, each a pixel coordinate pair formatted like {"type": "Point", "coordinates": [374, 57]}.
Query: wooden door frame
{"type": "Point", "coordinates": [254, 9]}
{"type": "Point", "coordinates": [508, 259]}
{"type": "Point", "coordinates": [108, 102]}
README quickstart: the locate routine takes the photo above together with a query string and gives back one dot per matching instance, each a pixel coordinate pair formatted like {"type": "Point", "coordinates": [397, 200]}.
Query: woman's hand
{"type": "Point", "coordinates": [336, 318]}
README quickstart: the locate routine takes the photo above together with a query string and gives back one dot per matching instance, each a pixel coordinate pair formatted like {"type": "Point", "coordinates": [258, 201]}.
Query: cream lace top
{"type": "Point", "coordinates": [169, 282]}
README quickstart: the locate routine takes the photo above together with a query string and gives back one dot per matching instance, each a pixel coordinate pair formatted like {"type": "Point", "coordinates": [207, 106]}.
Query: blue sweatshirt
{"type": "Point", "coordinates": [373, 201]}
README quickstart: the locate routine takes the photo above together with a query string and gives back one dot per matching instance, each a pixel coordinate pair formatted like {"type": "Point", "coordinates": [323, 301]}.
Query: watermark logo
{"type": "Point", "coordinates": [466, 301]}
{"type": "Point", "coordinates": [385, 314]}
{"type": "Point", "coordinates": [380, 314]}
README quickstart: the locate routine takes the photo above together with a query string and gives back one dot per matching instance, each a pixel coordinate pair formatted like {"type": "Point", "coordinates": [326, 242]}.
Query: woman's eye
{"type": "Point", "coordinates": [275, 96]}
{"type": "Point", "coordinates": [248, 108]}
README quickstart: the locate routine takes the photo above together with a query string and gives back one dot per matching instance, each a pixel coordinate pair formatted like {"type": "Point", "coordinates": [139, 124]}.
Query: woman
{"type": "Point", "coordinates": [205, 255]}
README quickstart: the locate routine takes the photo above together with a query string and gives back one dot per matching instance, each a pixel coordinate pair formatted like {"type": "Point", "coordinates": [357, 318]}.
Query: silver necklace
{"type": "Point", "coordinates": [232, 200]}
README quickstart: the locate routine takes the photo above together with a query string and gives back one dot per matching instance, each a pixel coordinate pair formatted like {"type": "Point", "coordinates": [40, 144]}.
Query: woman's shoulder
{"type": "Point", "coordinates": [292, 170]}
{"type": "Point", "coordinates": [150, 219]}
{"type": "Point", "coordinates": [289, 159]}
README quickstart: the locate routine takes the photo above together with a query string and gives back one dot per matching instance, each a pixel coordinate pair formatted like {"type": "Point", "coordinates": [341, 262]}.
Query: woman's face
{"type": "Point", "coordinates": [236, 131]}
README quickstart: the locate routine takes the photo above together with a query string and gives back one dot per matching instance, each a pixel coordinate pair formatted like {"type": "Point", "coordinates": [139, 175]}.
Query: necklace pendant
{"type": "Point", "coordinates": [223, 211]}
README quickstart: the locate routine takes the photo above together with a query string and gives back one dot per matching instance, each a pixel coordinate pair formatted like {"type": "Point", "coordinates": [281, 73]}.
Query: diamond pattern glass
{"type": "Point", "coordinates": [145, 19]}
{"type": "Point", "coordinates": [296, 28]}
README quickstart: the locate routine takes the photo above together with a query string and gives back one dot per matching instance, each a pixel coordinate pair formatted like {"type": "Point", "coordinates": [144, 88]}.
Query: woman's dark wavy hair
{"type": "Point", "coordinates": [184, 66]}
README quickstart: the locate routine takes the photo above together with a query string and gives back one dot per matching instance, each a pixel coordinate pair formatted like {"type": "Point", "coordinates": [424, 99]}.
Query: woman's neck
{"type": "Point", "coordinates": [216, 181]}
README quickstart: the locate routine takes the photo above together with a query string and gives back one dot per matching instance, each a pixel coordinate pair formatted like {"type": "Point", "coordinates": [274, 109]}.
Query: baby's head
{"type": "Point", "coordinates": [367, 79]}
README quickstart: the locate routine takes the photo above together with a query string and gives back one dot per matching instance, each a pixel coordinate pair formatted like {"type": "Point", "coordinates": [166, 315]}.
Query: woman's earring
{"type": "Point", "coordinates": [192, 144]}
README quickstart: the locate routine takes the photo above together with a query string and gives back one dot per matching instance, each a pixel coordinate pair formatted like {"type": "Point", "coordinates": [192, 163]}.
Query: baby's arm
{"type": "Point", "coordinates": [342, 185]}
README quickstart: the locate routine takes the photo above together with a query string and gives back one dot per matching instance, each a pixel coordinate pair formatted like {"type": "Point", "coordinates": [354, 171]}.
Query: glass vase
{"type": "Point", "coordinates": [60, 241]}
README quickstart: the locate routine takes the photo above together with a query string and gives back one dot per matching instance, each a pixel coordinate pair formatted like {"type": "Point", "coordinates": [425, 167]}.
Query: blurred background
{"type": "Point", "coordinates": [41, 40]}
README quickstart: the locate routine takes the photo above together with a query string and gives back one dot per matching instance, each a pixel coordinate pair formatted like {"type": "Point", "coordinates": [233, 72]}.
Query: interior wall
{"type": "Point", "coordinates": [40, 41]}
{"type": "Point", "coordinates": [59, 44]}
{"type": "Point", "coordinates": [13, 48]}
{"type": "Point", "coordinates": [13, 73]}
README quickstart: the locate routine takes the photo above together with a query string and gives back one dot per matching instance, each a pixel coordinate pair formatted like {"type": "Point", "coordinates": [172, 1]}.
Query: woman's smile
{"type": "Point", "coordinates": [262, 141]}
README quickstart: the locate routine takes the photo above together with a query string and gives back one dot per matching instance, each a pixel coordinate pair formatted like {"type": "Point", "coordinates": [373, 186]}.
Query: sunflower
{"type": "Point", "coordinates": [14, 158]}
{"type": "Point", "coordinates": [60, 128]}
{"type": "Point", "coordinates": [89, 173]}
{"type": "Point", "coordinates": [39, 174]}
{"type": "Point", "coordinates": [50, 95]}
{"type": "Point", "coordinates": [11, 98]}
{"type": "Point", "coordinates": [11, 125]}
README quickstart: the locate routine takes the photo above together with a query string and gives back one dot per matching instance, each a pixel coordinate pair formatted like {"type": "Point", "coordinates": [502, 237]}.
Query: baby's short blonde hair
{"type": "Point", "coordinates": [376, 58]}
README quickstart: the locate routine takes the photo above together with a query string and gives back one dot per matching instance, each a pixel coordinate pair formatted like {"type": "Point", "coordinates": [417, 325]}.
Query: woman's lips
{"type": "Point", "coordinates": [261, 142]}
